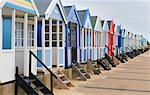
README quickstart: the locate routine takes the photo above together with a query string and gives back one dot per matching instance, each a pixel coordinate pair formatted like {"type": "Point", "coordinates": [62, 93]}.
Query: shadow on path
{"type": "Point", "coordinates": [126, 79]}
{"type": "Point", "coordinates": [134, 68]}
{"type": "Point", "coordinates": [133, 72]}
{"type": "Point", "coordinates": [120, 89]}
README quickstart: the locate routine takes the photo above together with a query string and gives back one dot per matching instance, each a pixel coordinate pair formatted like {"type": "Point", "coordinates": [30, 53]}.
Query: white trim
{"type": "Point", "coordinates": [92, 31]}
{"type": "Point", "coordinates": [98, 20]}
{"type": "Point", "coordinates": [53, 2]}
{"type": "Point", "coordinates": [35, 8]}
{"type": "Point", "coordinates": [50, 34]}
{"type": "Point", "coordinates": [43, 40]}
{"type": "Point", "coordinates": [1, 29]}
{"type": "Point", "coordinates": [96, 24]}
{"type": "Point", "coordinates": [82, 41]}
{"type": "Point", "coordinates": [51, 8]}
{"type": "Point", "coordinates": [105, 25]}
{"type": "Point", "coordinates": [64, 33]}
{"type": "Point", "coordinates": [78, 52]}
{"type": "Point", "coordinates": [35, 32]}
{"type": "Point", "coordinates": [58, 44]}
{"type": "Point", "coordinates": [25, 29]}
{"type": "Point", "coordinates": [25, 44]}
{"type": "Point", "coordinates": [13, 28]}
{"type": "Point", "coordinates": [88, 44]}
{"type": "Point", "coordinates": [50, 42]}
{"type": "Point", "coordinates": [3, 3]}
{"type": "Point", "coordinates": [22, 20]}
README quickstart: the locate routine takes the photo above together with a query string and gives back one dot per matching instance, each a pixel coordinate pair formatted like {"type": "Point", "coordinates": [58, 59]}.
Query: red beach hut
{"type": "Point", "coordinates": [111, 36]}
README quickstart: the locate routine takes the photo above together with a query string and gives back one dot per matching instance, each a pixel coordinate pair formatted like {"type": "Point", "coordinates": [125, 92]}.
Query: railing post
{"type": "Point", "coordinates": [30, 60]}
{"type": "Point", "coordinates": [51, 73]}
{"type": "Point", "coordinates": [51, 82]}
{"type": "Point", "coordinates": [16, 83]}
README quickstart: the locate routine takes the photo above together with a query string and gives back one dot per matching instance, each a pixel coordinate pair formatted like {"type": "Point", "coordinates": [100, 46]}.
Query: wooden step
{"type": "Point", "coordinates": [92, 66]}
{"type": "Point", "coordinates": [38, 88]}
{"type": "Point", "coordinates": [30, 80]}
{"type": "Point", "coordinates": [79, 72]}
{"type": "Point", "coordinates": [66, 81]}
{"type": "Point", "coordinates": [60, 75]}
{"type": "Point", "coordinates": [62, 82]}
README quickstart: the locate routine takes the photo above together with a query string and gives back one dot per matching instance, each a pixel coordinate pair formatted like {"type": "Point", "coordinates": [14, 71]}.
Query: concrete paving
{"type": "Point", "coordinates": [131, 78]}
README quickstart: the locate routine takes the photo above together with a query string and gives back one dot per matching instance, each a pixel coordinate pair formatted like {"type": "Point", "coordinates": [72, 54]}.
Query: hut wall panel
{"type": "Point", "coordinates": [8, 66]}
{"type": "Point", "coordinates": [61, 57]}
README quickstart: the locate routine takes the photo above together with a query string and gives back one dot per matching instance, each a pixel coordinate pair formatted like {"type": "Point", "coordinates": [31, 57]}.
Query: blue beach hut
{"type": "Point", "coordinates": [98, 49]}
{"type": "Point", "coordinates": [119, 38]}
{"type": "Point", "coordinates": [105, 35]}
{"type": "Point", "coordinates": [86, 36]}
{"type": "Point", "coordinates": [122, 40]}
{"type": "Point", "coordinates": [51, 33]}
{"type": "Point", "coordinates": [72, 36]}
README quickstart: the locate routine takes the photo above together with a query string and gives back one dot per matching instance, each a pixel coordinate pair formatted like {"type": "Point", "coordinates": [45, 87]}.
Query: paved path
{"type": "Point", "coordinates": [131, 78]}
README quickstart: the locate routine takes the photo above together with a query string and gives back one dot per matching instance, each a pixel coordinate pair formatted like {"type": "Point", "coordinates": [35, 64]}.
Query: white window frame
{"type": "Point", "coordinates": [54, 33]}
{"type": "Point", "coordinates": [61, 33]}
{"type": "Point", "coordinates": [19, 32]}
{"type": "Point", "coordinates": [19, 44]}
{"type": "Point", "coordinates": [30, 35]}
{"type": "Point", "coordinates": [47, 33]}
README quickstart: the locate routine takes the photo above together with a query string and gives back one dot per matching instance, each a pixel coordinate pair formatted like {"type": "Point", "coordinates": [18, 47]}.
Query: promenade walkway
{"type": "Point", "coordinates": [131, 78]}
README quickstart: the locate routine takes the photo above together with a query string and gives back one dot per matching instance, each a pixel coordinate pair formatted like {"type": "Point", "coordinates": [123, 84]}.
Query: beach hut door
{"type": "Point", "coordinates": [74, 42]}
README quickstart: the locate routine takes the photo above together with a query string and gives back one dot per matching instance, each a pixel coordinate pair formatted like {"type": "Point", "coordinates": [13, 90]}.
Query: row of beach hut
{"type": "Point", "coordinates": [58, 35]}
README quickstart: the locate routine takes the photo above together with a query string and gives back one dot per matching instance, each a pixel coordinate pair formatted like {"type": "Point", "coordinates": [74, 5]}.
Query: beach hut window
{"type": "Point", "coordinates": [69, 35]}
{"type": "Point", "coordinates": [69, 38]}
{"type": "Point", "coordinates": [30, 35]}
{"type": "Point", "coordinates": [54, 33]}
{"type": "Point", "coordinates": [19, 34]}
{"type": "Point", "coordinates": [88, 33]}
{"type": "Point", "coordinates": [99, 39]}
{"type": "Point", "coordinates": [47, 33]}
{"type": "Point", "coordinates": [74, 27]}
{"type": "Point", "coordinates": [60, 34]}
{"type": "Point", "coordinates": [80, 36]}
{"type": "Point", "coordinates": [93, 39]}
{"type": "Point", "coordinates": [84, 38]}
{"type": "Point", "coordinates": [90, 37]}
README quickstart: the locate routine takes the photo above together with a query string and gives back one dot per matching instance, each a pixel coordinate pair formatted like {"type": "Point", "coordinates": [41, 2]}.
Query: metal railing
{"type": "Point", "coordinates": [109, 50]}
{"type": "Point", "coordinates": [30, 63]}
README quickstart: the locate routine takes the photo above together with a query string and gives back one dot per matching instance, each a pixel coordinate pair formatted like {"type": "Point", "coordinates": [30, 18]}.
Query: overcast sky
{"type": "Point", "coordinates": [133, 15]}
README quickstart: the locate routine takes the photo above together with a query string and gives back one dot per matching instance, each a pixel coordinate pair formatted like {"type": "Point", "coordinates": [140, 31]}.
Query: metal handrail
{"type": "Point", "coordinates": [30, 63]}
{"type": "Point", "coordinates": [109, 49]}
{"type": "Point", "coordinates": [129, 48]}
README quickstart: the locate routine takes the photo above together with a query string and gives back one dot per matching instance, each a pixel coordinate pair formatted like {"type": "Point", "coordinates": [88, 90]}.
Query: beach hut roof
{"type": "Point", "coordinates": [109, 23]}
{"type": "Point", "coordinates": [94, 19]}
{"type": "Point", "coordinates": [46, 7]}
{"type": "Point", "coordinates": [42, 6]}
{"type": "Point", "coordinates": [105, 26]}
{"type": "Point", "coordinates": [102, 22]}
{"type": "Point", "coordinates": [97, 23]}
{"type": "Point", "coordinates": [84, 15]}
{"type": "Point", "coordinates": [72, 14]}
{"type": "Point", "coordinates": [67, 9]}
{"type": "Point", "coordinates": [21, 5]}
